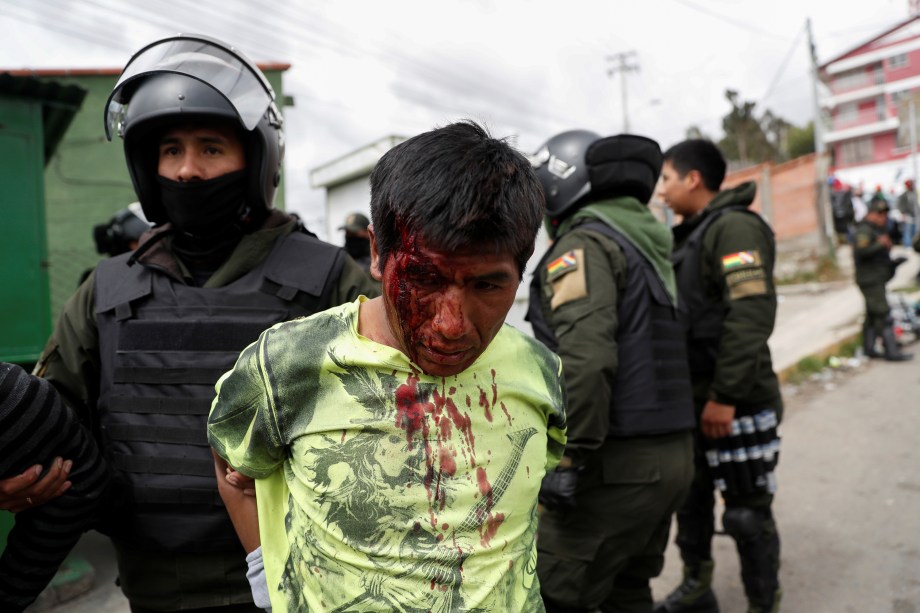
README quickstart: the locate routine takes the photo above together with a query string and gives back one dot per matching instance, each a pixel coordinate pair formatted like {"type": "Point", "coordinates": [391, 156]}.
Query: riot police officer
{"type": "Point", "coordinates": [604, 298]}
{"type": "Point", "coordinates": [874, 268]}
{"type": "Point", "coordinates": [142, 343]}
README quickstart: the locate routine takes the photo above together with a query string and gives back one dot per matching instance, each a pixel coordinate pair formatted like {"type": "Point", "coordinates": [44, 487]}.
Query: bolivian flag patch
{"type": "Point", "coordinates": [565, 263]}
{"type": "Point", "coordinates": [740, 259]}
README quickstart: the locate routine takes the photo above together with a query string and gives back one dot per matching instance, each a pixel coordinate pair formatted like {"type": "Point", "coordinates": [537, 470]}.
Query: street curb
{"type": "Point", "coordinates": [832, 349]}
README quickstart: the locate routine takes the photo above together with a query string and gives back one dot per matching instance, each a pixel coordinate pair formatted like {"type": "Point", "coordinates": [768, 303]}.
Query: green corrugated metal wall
{"type": "Point", "coordinates": [24, 309]}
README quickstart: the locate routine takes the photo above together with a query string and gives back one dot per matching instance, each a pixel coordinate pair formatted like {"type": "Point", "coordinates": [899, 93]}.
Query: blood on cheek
{"type": "Point", "coordinates": [412, 307]}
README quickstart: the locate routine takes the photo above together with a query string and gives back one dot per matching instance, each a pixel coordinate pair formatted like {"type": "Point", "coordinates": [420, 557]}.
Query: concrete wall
{"type": "Point", "coordinates": [351, 197]}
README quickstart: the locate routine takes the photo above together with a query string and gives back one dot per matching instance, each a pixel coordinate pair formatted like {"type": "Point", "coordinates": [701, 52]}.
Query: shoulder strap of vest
{"type": "Point", "coordinates": [302, 264]}
{"type": "Point", "coordinates": [117, 285]}
{"type": "Point", "coordinates": [655, 283]}
{"type": "Point", "coordinates": [696, 235]}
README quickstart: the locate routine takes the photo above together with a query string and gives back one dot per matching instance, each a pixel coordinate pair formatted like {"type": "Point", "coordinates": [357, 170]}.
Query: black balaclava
{"type": "Point", "coordinates": [205, 210]}
{"type": "Point", "coordinates": [357, 247]}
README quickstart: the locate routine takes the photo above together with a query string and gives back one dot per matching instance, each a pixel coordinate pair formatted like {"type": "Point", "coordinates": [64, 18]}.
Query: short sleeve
{"type": "Point", "coordinates": [556, 428]}
{"type": "Point", "coordinates": [243, 424]}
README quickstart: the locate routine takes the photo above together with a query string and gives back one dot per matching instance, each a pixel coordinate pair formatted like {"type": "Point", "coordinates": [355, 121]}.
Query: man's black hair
{"type": "Point", "coordinates": [456, 187]}
{"type": "Point", "coordinates": [700, 155]}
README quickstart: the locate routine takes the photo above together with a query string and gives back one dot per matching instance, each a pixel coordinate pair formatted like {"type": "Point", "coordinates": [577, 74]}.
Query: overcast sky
{"type": "Point", "coordinates": [364, 69]}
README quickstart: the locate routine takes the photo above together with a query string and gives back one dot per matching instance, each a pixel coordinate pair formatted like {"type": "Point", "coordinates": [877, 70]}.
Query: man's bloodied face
{"type": "Point", "coordinates": [444, 308]}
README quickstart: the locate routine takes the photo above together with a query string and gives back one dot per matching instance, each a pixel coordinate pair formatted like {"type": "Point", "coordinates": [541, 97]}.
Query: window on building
{"type": "Point", "coordinates": [851, 80]}
{"type": "Point", "coordinates": [847, 113]}
{"type": "Point", "coordinates": [855, 151]}
{"type": "Point", "coordinates": [897, 61]}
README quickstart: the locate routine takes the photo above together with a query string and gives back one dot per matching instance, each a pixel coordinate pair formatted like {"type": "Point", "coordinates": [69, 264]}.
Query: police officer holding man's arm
{"type": "Point", "coordinates": [604, 298]}
{"type": "Point", "coordinates": [141, 344]}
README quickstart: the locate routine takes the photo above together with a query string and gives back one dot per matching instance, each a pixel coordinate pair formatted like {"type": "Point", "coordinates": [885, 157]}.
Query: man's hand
{"type": "Point", "coordinates": [557, 492]}
{"type": "Point", "coordinates": [240, 481]}
{"type": "Point", "coordinates": [716, 421]}
{"type": "Point", "coordinates": [241, 506]}
{"type": "Point", "coordinates": [26, 491]}
{"type": "Point", "coordinates": [236, 479]}
{"type": "Point", "coordinates": [885, 240]}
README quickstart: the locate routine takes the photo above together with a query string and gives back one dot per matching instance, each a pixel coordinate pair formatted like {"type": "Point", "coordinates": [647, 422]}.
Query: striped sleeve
{"type": "Point", "coordinates": [35, 427]}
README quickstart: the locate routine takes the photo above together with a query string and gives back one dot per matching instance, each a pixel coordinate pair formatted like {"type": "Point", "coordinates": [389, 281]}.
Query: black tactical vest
{"type": "Point", "coordinates": [163, 345]}
{"type": "Point", "coordinates": [701, 317]}
{"type": "Point", "coordinates": [651, 393]}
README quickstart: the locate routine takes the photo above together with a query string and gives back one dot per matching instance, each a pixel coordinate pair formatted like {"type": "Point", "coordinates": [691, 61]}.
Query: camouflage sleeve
{"type": "Point", "coordinates": [353, 282]}
{"type": "Point", "coordinates": [580, 303]}
{"type": "Point", "coordinates": [738, 260]}
{"type": "Point", "coordinates": [70, 359]}
{"type": "Point", "coordinates": [243, 424]}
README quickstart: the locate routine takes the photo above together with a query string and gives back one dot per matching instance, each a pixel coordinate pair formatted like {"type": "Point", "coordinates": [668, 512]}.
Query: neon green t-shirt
{"type": "Point", "coordinates": [381, 488]}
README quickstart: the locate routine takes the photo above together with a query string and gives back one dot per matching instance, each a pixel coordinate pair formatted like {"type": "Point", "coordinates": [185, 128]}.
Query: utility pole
{"type": "Point", "coordinates": [822, 197]}
{"type": "Point", "coordinates": [623, 66]}
{"type": "Point", "coordinates": [815, 79]}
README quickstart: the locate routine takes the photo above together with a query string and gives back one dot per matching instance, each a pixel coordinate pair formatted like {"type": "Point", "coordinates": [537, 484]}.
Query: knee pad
{"type": "Point", "coordinates": [743, 523]}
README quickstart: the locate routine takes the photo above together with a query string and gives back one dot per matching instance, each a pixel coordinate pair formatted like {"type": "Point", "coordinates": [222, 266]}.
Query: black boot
{"type": "Point", "coordinates": [694, 594]}
{"type": "Point", "coordinates": [893, 351]}
{"type": "Point", "coordinates": [869, 339]}
{"type": "Point", "coordinates": [757, 540]}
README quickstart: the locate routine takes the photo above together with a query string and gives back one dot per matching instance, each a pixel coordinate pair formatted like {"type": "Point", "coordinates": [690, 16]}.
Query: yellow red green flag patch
{"type": "Point", "coordinates": [742, 258]}
{"type": "Point", "coordinates": [564, 263]}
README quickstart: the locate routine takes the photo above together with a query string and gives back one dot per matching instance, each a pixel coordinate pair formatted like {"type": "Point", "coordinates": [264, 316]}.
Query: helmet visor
{"type": "Point", "coordinates": [227, 71]}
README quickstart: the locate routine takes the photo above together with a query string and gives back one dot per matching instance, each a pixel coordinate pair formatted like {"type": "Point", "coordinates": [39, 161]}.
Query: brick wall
{"type": "Point", "coordinates": [786, 200]}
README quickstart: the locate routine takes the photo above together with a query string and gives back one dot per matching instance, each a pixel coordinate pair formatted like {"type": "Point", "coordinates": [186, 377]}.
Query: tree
{"type": "Point", "coordinates": [745, 138]}
{"type": "Point", "coordinates": [751, 139]}
{"type": "Point", "coordinates": [696, 133]}
{"type": "Point", "coordinates": [801, 141]}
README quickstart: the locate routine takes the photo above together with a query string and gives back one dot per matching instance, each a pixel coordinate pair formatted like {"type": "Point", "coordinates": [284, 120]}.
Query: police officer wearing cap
{"type": "Point", "coordinates": [140, 346]}
{"type": "Point", "coordinates": [358, 239]}
{"type": "Point", "coordinates": [604, 298]}
{"type": "Point", "coordinates": [874, 268]}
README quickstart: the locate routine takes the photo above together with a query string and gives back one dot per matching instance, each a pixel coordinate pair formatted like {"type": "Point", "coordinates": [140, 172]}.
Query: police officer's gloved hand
{"type": "Point", "coordinates": [557, 492]}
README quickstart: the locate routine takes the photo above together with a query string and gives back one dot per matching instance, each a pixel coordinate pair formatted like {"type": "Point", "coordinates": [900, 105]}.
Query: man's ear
{"type": "Point", "coordinates": [376, 265]}
{"type": "Point", "coordinates": [694, 180]}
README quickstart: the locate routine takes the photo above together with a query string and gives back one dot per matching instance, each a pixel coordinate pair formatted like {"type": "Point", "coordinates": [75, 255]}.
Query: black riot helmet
{"type": "Point", "coordinates": [195, 78]}
{"type": "Point", "coordinates": [560, 166]}
{"type": "Point", "coordinates": [123, 229]}
{"type": "Point", "coordinates": [578, 166]}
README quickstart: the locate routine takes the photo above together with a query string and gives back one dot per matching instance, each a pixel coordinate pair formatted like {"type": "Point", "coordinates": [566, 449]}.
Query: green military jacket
{"type": "Point", "coordinates": [581, 295]}
{"type": "Point", "coordinates": [738, 253]}
{"type": "Point", "coordinates": [870, 257]}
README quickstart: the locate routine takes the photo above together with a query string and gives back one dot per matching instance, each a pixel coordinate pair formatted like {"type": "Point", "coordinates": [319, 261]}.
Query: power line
{"type": "Point", "coordinates": [737, 24]}
{"type": "Point", "coordinates": [782, 67]}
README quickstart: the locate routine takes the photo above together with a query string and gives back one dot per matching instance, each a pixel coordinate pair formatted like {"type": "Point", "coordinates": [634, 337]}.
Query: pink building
{"type": "Point", "coordinates": [870, 89]}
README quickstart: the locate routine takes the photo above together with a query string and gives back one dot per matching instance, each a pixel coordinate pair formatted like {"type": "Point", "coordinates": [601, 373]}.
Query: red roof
{"type": "Point", "coordinates": [861, 46]}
